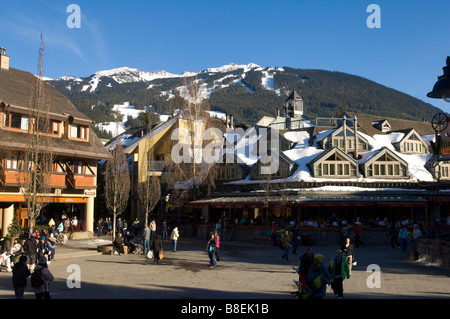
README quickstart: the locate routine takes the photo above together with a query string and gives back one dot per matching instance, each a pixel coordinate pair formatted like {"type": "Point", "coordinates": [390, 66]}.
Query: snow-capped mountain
{"type": "Point", "coordinates": [248, 91]}
{"type": "Point", "coordinates": [124, 75]}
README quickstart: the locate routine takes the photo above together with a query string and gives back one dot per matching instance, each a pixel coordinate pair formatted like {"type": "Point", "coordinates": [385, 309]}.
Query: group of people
{"type": "Point", "coordinates": [315, 276]}
{"type": "Point", "coordinates": [152, 241]}
{"type": "Point", "coordinates": [31, 260]}
{"type": "Point", "coordinates": [401, 231]}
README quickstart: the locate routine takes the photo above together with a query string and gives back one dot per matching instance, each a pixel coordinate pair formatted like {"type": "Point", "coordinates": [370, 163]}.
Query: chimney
{"type": "Point", "coordinates": [356, 137]}
{"type": "Point", "coordinates": [227, 121]}
{"type": "Point", "coordinates": [278, 112]}
{"type": "Point", "coordinates": [4, 59]}
{"type": "Point", "coordinates": [231, 121]}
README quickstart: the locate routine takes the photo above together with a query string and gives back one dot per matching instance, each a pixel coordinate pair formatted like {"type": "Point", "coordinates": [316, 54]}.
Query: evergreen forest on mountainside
{"type": "Point", "coordinates": [248, 99]}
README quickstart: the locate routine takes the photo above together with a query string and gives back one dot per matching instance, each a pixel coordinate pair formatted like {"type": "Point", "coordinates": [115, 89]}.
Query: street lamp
{"type": "Point", "coordinates": [441, 146]}
{"type": "Point", "coordinates": [441, 89]}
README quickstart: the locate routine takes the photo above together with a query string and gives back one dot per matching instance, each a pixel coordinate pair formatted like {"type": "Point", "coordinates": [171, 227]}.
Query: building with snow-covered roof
{"type": "Point", "coordinates": [349, 162]}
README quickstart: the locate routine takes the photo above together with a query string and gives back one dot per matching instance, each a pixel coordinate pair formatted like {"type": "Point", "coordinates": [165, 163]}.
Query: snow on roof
{"type": "Point", "coordinates": [303, 154]}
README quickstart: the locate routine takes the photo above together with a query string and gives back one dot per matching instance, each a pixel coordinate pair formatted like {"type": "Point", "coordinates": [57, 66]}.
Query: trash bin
{"type": "Point", "coordinates": [306, 239]}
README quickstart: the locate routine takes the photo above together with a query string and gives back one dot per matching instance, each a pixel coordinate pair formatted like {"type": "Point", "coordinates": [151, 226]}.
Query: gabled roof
{"type": "Point", "coordinates": [384, 150]}
{"type": "Point", "coordinates": [267, 158]}
{"type": "Point", "coordinates": [329, 152]}
{"type": "Point", "coordinates": [15, 88]}
{"type": "Point", "coordinates": [333, 132]}
{"type": "Point", "coordinates": [294, 96]}
{"type": "Point", "coordinates": [407, 133]}
{"type": "Point", "coordinates": [366, 124]}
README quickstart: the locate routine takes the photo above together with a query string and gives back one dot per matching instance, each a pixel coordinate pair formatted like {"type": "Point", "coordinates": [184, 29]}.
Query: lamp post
{"type": "Point", "coordinates": [441, 146]}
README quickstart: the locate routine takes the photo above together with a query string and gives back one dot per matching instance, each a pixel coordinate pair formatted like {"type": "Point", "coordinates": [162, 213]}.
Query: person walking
{"type": "Point", "coordinates": [286, 244]}
{"type": "Point", "coordinates": [403, 235]}
{"type": "Point", "coordinates": [165, 233]}
{"type": "Point", "coordinates": [42, 291]}
{"type": "Point", "coordinates": [51, 244]}
{"type": "Point", "coordinates": [174, 237]}
{"type": "Point", "coordinates": [393, 236]}
{"type": "Point", "coordinates": [146, 239]}
{"type": "Point", "coordinates": [211, 249]}
{"type": "Point", "coordinates": [305, 263]}
{"type": "Point", "coordinates": [358, 241]}
{"type": "Point", "coordinates": [348, 253]}
{"type": "Point", "coordinates": [30, 249]}
{"type": "Point", "coordinates": [153, 230]}
{"type": "Point", "coordinates": [157, 247]}
{"type": "Point", "coordinates": [120, 226]}
{"type": "Point", "coordinates": [135, 226]}
{"type": "Point", "coordinates": [318, 278]}
{"type": "Point", "coordinates": [339, 271]}
{"type": "Point", "coordinates": [216, 252]}
{"type": "Point", "coordinates": [100, 227]}
{"type": "Point", "coordinates": [20, 273]}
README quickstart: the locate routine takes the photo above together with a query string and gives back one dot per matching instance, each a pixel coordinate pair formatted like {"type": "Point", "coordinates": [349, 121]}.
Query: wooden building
{"type": "Point", "coordinates": [64, 132]}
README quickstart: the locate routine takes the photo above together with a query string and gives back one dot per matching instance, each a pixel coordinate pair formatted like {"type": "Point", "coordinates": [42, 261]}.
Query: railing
{"type": "Point", "coordinates": [14, 178]}
{"type": "Point", "coordinates": [82, 181]}
{"type": "Point", "coordinates": [56, 179]}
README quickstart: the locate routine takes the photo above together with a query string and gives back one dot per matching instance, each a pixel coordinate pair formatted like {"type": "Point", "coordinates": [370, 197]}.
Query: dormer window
{"type": "Point", "coordinates": [382, 125]}
{"type": "Point", "coordinates": [49, 126]}
{"type": "Point", "coordinates": [78, 132]}
{"type": "Point", "coordinates": [16, 121]}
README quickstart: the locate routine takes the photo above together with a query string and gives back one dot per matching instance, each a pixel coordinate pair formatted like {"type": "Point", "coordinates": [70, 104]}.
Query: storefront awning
{"type": "Point", "coordinates": [309, 200]}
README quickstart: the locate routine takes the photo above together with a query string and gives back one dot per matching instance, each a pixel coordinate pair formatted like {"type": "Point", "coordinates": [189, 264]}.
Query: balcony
{"type": "Point", "coordinates": [82, 181]}
{"type": "Point", "coordinates": [58, 180]}
{"type": "Point", "coordinates": [13, 178]}
{"type": "Point", "coordinates": [20, 178]}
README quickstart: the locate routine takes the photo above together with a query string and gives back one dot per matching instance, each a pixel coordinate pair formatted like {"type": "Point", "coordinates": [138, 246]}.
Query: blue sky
{"type": "Point", "coordinates": [407, 53]}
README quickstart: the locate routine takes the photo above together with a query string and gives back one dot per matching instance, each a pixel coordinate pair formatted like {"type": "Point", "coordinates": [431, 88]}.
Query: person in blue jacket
{"type": "Point", "coordinates": [318, 278]}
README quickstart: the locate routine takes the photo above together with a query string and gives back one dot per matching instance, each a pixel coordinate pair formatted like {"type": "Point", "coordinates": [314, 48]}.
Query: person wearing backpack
{"type": "Point", "coordinates": [40, 278]}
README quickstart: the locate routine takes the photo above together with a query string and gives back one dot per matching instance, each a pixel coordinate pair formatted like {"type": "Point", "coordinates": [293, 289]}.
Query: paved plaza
{"type": "Point", "coordinates": [245, 271]}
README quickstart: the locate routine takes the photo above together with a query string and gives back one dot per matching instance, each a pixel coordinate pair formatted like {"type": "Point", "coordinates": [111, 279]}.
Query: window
{"type": "Point", "coordinates": [227, 172]}
{"type": "Point", "coordinates": [49, 126]}
{"type": "Point", "coordinates": [445, 171]}
{"type": "Point", "coordinates": [336, 169]}
{"type": "Point", "coordinates": [12, 162]}
{"type": "Point", "coordinates": [16, 121]}
{"type": "Point", "coordinates": [386, 167]}
{"type": "Point", "coordinates": [338, 141]}
{"type": "Point", "coordinates": [78, 131]}
{"type": "Point", "coordinates": [335, 166]}
{"type": "Point", "coordinates": [78, 167]}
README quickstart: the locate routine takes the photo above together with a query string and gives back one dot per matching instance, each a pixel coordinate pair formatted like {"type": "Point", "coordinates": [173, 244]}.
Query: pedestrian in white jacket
{"type": "Point", "coordinates": [174, 237]}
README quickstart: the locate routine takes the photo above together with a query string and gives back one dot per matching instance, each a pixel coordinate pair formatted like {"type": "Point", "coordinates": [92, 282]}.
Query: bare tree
{"type": "Point", "coordinates": [149, 186]}
{"type": "Point", "coordinates": [36, 162]}
{"type": "Point", "coordinates": [193, 171]}
{"type": "Point", "coordinates": [117, 183]}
